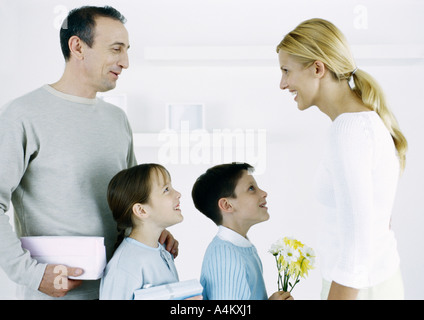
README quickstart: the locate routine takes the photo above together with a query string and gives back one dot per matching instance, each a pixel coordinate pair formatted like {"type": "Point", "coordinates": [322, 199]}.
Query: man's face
{"type": "Point", "coordinates": [104, 61]}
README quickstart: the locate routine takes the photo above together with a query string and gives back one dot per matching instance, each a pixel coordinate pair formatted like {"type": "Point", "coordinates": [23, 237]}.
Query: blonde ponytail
{"type": "Point", "coordinates": [367, 88]}
{"type": "Point", "coordinates": [319, 39]}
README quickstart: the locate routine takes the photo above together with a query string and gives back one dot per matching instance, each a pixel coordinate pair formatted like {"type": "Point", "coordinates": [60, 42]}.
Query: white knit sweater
{"type": "Point", "coordinates": [356, 182]}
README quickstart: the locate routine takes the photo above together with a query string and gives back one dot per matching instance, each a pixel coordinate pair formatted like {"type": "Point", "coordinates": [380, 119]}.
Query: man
{"type": "Point", "coordinates": [60, 148]}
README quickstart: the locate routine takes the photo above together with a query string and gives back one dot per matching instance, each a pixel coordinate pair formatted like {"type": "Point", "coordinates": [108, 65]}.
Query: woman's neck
{"type": "Point", "coordinates": [337, 97]}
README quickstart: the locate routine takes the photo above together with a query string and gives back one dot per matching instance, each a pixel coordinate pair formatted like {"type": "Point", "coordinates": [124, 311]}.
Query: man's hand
{"type": "Point", "coordinates": [171, 244]}
{"type": "Point", "coordinates": [55, 281]}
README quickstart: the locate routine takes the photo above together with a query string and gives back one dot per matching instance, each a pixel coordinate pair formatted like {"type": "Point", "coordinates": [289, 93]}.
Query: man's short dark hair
{"type": "Point", "coordinates": [80, 22]}
{"type": "Point", "coordinates": [216, 183]}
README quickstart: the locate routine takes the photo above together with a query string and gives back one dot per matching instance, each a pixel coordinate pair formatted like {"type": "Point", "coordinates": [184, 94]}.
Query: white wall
{"type": "Point", "coordinates": [221, 53]}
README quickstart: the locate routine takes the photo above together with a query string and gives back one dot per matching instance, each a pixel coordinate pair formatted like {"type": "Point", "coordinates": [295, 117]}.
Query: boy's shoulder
{"type": "Point", "coordinates": [217, 242]}
{"type": "Point", "coordinates": [222, 256]}
{"type": "Point", "coordinates": [223, 249]}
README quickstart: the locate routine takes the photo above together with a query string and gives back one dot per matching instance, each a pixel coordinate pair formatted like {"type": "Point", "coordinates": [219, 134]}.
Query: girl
{"type": "Point", "coordinates": [359, 173]}
{"type": "Point", "coordinates": [143, 201]}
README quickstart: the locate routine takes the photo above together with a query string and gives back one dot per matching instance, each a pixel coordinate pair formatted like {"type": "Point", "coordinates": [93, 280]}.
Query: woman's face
{"type": "Point", "coordinates": [299, 80]}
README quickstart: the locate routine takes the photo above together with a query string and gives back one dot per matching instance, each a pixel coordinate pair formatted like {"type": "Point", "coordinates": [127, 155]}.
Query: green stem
{"type": "Point", "coordinates": [279, 284]}
{"type": "Point", "coordinates": [286, 279]}
{"type": "Point", "coordinates": [298, 275]}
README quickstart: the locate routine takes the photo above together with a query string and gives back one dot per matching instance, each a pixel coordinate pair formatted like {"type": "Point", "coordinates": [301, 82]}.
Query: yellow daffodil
{"type": "Point", "coordinates": [294, 260]}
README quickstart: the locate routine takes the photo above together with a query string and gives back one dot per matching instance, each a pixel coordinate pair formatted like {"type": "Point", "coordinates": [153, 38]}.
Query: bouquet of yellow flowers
{"type": "Point", "coordinates": [294, 260]}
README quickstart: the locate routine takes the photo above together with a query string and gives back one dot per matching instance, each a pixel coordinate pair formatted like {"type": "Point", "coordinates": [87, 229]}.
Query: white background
{"type": "Point", "coordinates": [222, 53]}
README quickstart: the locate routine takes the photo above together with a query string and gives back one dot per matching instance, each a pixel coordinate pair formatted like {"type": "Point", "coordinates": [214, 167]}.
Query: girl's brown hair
{"type": "Point", "coordinates": [128, 187]}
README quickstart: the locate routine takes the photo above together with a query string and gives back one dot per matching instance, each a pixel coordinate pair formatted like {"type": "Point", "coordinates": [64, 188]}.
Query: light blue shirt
{"type": "Point", "coordinates": [232, 269]}
{"type": "Point", "coordinates": [133, 266]}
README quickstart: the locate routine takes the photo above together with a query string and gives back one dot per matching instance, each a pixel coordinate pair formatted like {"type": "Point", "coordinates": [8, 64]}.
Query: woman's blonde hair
{"type": "Point", "coordinates": [318, 39]}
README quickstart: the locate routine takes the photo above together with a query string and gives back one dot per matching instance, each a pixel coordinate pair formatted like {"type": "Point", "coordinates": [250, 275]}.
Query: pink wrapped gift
{"type": "Point", "coordinates": [87, 253]}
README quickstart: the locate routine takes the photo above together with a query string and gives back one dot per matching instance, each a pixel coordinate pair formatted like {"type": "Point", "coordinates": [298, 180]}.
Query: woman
{"type": "Point", "coordinates": [358, 176]}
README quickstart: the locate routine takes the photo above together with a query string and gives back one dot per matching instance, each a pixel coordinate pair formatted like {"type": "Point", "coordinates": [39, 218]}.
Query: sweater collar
{"type": "Point", "coordinates": [69, 97]}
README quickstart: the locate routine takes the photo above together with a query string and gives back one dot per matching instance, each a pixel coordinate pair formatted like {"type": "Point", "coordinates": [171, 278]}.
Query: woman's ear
{"type": "Point", "coordinates": [225, 205]}
{"type": "Point", "coordinates": [319, 69]}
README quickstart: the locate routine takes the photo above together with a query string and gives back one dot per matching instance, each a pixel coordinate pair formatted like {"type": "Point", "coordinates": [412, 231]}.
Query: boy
{"type": "Point", "coordinates": [232, 270]}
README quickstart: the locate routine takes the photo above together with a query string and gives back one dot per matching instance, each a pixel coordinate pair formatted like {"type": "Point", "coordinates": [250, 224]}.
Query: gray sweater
{"type": "Point", "coordinates": [57, 155]}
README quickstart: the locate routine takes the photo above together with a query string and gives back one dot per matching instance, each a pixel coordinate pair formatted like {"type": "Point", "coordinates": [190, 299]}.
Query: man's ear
{"type": "Point", "coordinates": [76, 47]}
{"type": "Point", "coordinates": [140, 211]}
{"type": "Point", "coordinates": [225, 205]}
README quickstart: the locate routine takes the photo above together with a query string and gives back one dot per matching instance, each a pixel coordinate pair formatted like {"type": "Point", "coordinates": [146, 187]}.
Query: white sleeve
{"type": "Point", "coordinates": [352, 154]}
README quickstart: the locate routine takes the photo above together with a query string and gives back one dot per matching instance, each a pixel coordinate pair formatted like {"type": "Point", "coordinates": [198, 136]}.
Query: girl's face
{"type": "Point", "coordinates": [300, 81]}
{"type": "Point", "coordinates": [164, 201]}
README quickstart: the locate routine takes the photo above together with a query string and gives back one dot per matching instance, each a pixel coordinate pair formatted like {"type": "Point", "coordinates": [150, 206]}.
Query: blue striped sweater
{"type": "Point", "coordinates": [231, 271]}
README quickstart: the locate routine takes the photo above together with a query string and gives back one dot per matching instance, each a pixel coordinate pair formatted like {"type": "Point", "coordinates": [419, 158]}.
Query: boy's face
{"type": "Point", "coordinates": [250, 202]}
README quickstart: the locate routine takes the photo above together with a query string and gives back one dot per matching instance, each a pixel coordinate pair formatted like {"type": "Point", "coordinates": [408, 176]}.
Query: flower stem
{"type": "Point", "coordinates": [298, 275]}
{"type": "Point", "coordinates": [286, 278]}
